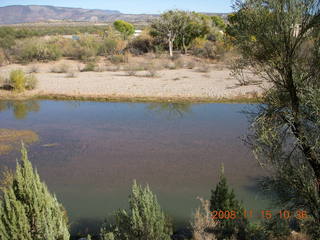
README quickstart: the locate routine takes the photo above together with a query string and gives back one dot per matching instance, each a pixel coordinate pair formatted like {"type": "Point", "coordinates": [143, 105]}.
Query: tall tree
{"type": "Point", "coordinates": [224, 199]}
{"type": "Point", "coordinates": [28, 210]}
{"type": "Point", "coordinates": [144, 220]}
{"type": "Point", "coordinates": [280, 39]}
{"type": "Point", "coordinates": [179, 28]}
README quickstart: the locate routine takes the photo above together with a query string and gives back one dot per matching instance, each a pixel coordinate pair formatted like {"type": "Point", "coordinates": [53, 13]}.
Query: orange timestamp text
{"type": "Point", "coordinates": [264, 214]}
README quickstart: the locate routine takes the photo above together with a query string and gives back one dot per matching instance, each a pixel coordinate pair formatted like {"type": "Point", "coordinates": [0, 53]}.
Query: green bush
{"type": "Point", "coordinates": [18, 80]}
{"type": "Point", "coordinates": [31, 82]}
{"type": "Point", "coordinates": [36, 49]}
{"type": "Point", "coordinates": [117, 59]}
{"type": "Point", "coordinates": [27, 209]}
{"type": "Point", "coordinates": [108, 47]}
{"type": "Point", "coordinates": [89, 67]}
{"type": "Point", "coordinates": [62, 68]}
{"type": "Point", "coordinates": [144, 219]}
{"type": "Point", "coordinates": [141, 45]}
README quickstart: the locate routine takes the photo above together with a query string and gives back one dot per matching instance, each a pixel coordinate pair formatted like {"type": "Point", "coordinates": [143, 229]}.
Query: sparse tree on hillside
{"type": "Point", "coordinates": [27, 210]}
{"type": "Point", "coordinates": [280, 39]}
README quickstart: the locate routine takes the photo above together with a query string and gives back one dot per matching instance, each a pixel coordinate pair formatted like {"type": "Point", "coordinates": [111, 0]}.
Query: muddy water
{"type": "Point", "coordinates": [90, 152]}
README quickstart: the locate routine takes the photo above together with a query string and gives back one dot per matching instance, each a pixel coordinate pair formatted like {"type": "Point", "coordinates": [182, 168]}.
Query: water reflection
{"type": "Point", "coordinates": [89, 153]}
{"type": "Point", "coordinates": [20, 108]}
{"type": "Point", "coordinates": [171, 110]}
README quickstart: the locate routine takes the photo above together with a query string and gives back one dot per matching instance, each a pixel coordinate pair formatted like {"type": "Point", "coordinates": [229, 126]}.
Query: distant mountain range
{"type": "Point", "coordinates": [36, 13]}
{"type": "Point", "coordinates": [19, 14]}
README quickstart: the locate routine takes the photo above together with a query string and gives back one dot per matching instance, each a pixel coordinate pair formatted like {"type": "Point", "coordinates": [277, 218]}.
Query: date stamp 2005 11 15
{"type": "Point", "coordinates": [264, 214]}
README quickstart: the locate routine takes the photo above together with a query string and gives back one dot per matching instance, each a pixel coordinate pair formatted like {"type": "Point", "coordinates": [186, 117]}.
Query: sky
{"type": "Point", "coordinates": [133, 6]}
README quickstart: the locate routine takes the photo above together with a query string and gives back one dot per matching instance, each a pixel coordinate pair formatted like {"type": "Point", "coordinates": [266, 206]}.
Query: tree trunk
{"type": "Point", "coordinates": [171, 48]}
{"type": "Point", "coordinates": [184, 45]}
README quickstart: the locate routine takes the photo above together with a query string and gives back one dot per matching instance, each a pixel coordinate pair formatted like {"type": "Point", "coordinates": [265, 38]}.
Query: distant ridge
{"type": "Point", "coordinates": [19, 14]}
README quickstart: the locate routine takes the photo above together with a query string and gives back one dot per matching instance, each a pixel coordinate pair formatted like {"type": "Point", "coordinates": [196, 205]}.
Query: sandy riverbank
{"type": "Point", "coordinates": [174, 85]}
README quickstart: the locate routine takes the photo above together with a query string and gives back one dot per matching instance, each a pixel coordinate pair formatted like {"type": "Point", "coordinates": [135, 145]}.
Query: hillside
{"type": "Point", "coordinates": [35, 13]}
{"type": "Point", "coordinates": [20, 14]}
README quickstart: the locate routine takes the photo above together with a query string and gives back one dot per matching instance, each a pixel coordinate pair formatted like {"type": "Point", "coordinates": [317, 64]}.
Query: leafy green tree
{"type": "Point", "coordinates": [179, 28]}
{"type": "Point", "coordinates": [28, 211]}
{"type": "Point", "coordinates": [168, 27]}
{"type": "Point", "coordinates": [280, 40]}
{"type": "Point", "coordinates": [144, 220]}
{"type": "Point", "coordinates": [125, 28]}
{"type": "Point", "coordinates": [218, 22]}
{"type": "Point", "coordinates": [223, 199]}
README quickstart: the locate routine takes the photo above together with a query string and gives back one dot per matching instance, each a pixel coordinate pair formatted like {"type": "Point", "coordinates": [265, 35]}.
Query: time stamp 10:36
{"type": "Point", "coordinates": [264, 214]}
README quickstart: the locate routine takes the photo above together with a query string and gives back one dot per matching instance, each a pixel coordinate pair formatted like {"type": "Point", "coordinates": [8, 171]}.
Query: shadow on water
{"type": "Point", "coordinates": [84, 226]}
{"type": "Point", "coordinates": [20, 109]}
{"type": "Point", "coordinates": [171, 110]}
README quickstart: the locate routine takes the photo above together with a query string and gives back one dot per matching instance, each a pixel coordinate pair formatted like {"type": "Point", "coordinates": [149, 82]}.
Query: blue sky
{"type": "Point", "coordinates": [133, 6]}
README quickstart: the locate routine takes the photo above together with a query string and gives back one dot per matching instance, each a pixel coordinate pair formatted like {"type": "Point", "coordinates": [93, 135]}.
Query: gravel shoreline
{"type": "Point", "coordinates": [168, 85]}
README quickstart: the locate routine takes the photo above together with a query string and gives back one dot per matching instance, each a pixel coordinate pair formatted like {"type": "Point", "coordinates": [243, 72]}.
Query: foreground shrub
{"type": "Point", "coordinates": [144, 219]}
{"type": "Point", "coordinates": [117, 59]}
{"type": "Point", "coordinates": [3, 58]}
{"type": "Point", "coordinates": [141, 45]}
{"type": "Point", "coordinates": [108, 47]}
{"type": "Point", "coordinates": [17, 80]}
{"type": "Point", "coordinates": [62, 68]}
{"type": "Point", "coordinates": [31, 82]}
{"type": "Point", "coordinates": [203, 223]}
{"type": "Point", "coordinates": [28, 210]}
{"type": "Point", "coordinates": [89, 67]}
{"type": "Point", "coordinates": [36, 49]}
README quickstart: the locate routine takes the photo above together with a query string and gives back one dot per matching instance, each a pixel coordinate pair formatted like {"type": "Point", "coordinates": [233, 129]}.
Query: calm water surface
{"type": "Point", "coordinates": [90, 152]}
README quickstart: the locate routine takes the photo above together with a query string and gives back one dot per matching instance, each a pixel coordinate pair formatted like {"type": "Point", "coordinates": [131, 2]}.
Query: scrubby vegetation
{"type": "Point", "coordinates": [24, 45]}
{"type": "Point", "coordinates": [19, 81]}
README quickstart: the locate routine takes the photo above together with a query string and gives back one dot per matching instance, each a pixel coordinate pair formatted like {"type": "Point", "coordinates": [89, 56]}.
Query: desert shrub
{"type": "Point", "coordinates": [18, 80]}
{"type": "Point", "coordinates": [36, 49]}
{"type": "Point", "coordinates": [131, 71]}
{"type": "Point", "coordinates": [2, 81]}
{"type": "Point", "coordinates": [108, 47]}
{"type": "Point", "coordinates": [256, 232]}
{"type": "Point", "coordinates": [31, 82]}
{"type": "Point", "coordinates": [170, 65]}
{"type": "Point", "coordinates": [114, 68]}
{"type": "Point", "coordinates": [203, 68]}
{"type": "Point", "coordinates": [3, 58]}
{"type": "Point", "coordinates": [62, 68]}
{"type": "Point", "coordinates": [190, 65]}
{"type": "Point", "coordinates": [204, 49]}
{"type": "Point", "coordinates": [143, 220]}
{"type": "Point", "coordinates": [89, 67]}
{"type": "Point", "coordinates": [203, 223]}
{"type": "Point", "coordinates": [277, 228]}
{"type": "Point", "coordinates": [71, 74]}
{"type": "Point", "coordinates": [34, 69]}
{"type": "Point", "coordinates": [141, 45]}
{"type": "Point", "coordinates": [117, 59]}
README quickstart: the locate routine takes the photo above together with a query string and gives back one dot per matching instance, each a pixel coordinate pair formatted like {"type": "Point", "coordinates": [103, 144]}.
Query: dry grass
{"type": "Point", "coordinates": [203, 68]}
{"type": "Point", "coordinates": [34, 69]}
{"type": "Point", "coordinates": [202, 220]}
{"type": "Point", "coordinates": [9, 139]}
{"type": "Point", "coordinates": [62, 68]}
{"type": "Point", "coordinates": [71, 74]}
